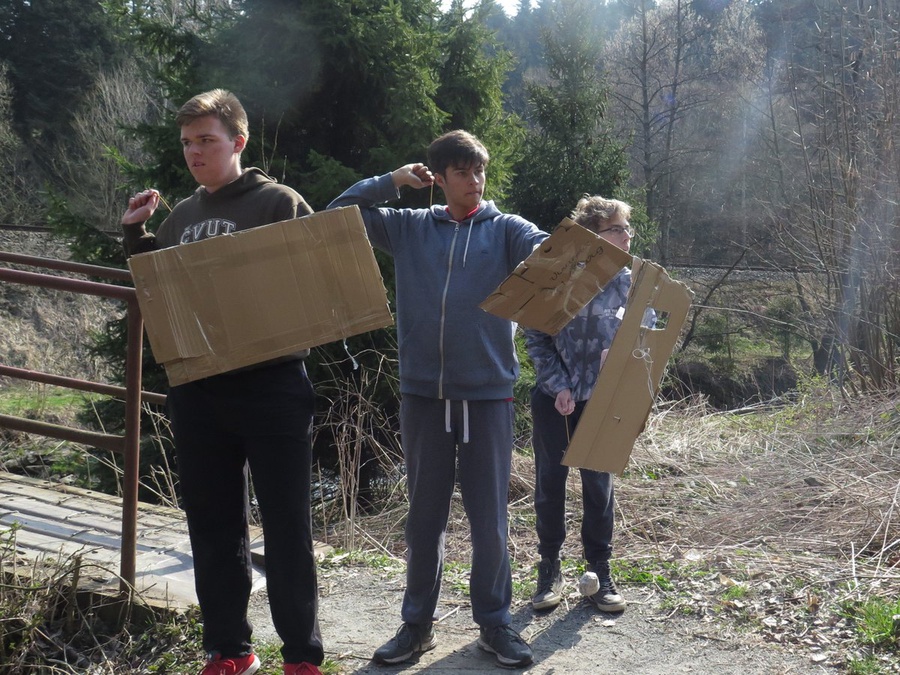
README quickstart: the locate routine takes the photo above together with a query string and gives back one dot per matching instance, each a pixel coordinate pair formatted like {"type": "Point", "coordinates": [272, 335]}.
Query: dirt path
{"type": "Point", "coordinates": [359, 610]}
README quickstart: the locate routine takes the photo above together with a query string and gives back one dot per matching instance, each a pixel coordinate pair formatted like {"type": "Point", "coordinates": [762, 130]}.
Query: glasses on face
{"type": "Point", "coordinates": [619, 230]}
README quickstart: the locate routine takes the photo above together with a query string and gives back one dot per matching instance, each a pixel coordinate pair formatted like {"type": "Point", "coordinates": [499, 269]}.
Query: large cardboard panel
{"type": "Point", "coordinates": [629, 380]}
{"type": "Point", "coordinates": [237, 300]}
{"type": "Point", "coordinates": [560, 277]}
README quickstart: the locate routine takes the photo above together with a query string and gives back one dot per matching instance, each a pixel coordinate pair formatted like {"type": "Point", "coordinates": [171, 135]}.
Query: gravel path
{"type": "Point", "coordinates": [359, 610]}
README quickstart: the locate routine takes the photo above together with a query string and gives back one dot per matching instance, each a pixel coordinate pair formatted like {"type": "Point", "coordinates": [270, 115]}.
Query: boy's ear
{"type": "Point", "coordinates": [439, 179]}
{"type": "Point", "coordinates": [240, 142]}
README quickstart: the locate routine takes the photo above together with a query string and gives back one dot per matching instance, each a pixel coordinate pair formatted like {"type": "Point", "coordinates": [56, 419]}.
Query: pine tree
{"type": "Point", "coordinates": [53, 51]}
{"type": "Point", "coordinates": [568, 151]}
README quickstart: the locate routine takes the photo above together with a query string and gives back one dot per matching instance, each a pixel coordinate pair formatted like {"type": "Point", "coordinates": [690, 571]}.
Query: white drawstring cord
{"type": "Point", "coordinates": [465, 419]}
{"type": "Point", "coordinates": [466, 251]}
{"type": "Point", "coordinates": [347, 349]}
{"type": "Point", "coordinates": [644, 355]}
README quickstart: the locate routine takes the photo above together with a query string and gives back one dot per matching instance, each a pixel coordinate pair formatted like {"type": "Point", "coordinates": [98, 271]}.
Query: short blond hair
{"type": "Point", "coordinates": [221, 103]}
{"type": "Point", "coordinates": [594, 211]}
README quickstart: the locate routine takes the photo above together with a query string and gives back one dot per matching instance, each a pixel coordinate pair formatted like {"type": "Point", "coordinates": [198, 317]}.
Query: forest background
{"type": "Point", "coordinates": [749, 134]}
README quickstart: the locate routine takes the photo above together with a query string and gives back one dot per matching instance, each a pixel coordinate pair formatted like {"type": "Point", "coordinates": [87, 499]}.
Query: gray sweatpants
{"type": "Point", "coordinates": [438, 435]}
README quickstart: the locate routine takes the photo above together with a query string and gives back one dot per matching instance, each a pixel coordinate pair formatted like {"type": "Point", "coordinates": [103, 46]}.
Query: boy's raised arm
{"type": "Point", "coordinates": [381, 189]}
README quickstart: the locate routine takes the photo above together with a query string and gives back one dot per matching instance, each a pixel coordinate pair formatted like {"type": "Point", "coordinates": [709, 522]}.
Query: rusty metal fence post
{"type": "Point", "coordinates": [127, 445]}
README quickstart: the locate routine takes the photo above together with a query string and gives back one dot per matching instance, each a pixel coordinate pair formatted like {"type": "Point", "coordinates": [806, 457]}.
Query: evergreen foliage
{"type": "Point", "coordinates": [471, 75]}
{"type": "Point", "coordinates": [53, 50]}
{"type": "Point", "coordinates": [569, 150]}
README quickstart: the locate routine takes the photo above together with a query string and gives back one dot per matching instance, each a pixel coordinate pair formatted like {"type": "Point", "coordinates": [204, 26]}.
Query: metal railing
{"type": "Point", "coordinates": [127, 445]}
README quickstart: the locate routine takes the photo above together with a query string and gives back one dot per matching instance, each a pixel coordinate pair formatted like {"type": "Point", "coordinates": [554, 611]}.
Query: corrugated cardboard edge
{"type": "Point", "coordinates": [629, 380]}
{"type": "Point", "coordinates": [155, 284]}
{"type": "Point", "coordinates": [191, 349]}
{"type": "Point", "coordinates": [560, 277]}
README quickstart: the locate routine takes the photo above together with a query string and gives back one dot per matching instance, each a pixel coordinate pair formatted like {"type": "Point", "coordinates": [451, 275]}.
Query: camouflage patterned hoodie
{"type": "Point", "coordinates": [571, 358]}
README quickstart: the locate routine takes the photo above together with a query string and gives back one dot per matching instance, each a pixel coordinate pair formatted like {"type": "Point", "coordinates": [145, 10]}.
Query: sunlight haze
{"type": "Point", "coordinates": [509, 6]}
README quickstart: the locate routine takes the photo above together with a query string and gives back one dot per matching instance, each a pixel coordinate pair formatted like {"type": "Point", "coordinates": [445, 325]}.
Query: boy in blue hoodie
{"type": "Point", "coordinates": [457, 369]}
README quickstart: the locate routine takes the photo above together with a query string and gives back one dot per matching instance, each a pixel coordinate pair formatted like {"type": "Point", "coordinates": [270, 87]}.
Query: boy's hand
{"type": "Point", "coordinates": [565, 404]}
{"type": "Point", "coordinates": [414, 175]}
{"type": "Point", "coordinates": [141, 207]}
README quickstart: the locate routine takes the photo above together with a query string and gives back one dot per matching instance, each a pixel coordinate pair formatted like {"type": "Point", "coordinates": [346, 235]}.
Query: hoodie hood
{"type": "Point", "coordinates": [485, 211]}
{"type": "Point", "coordinates": [251, 200]}
{"type": "Point", "coordinates": [249, 179]}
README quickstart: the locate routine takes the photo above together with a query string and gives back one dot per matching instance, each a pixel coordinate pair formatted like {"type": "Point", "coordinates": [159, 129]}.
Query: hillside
{"type": "Point", "coordinates": [43, 329]}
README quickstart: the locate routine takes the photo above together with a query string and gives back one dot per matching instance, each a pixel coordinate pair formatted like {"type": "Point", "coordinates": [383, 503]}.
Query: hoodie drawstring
{"type": "Point", "coordinates": [447, 416]}
{"type": "Point", "coordinates": [449, 429]}
{"type": "Point", "coordinates": [466, 250]}
{"type": "Point", "coordinates": [465, 421]}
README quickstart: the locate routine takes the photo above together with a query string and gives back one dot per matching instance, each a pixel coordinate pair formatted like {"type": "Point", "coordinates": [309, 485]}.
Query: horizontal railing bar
{"type": "Point", "coordinates": [66, 266]}
{"type": "Point", "coordinates": [81, 385]}
{"type": "Point", "coordinates": [64, 284]}
{"type": "Point", "coordinates": [127, 445]}
{"type": "Point", "coordinates": [91, 438]}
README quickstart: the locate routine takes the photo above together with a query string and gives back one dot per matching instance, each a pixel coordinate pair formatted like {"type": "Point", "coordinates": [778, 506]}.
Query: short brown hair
{"type": "Point", "coordinates": [593, 211]}
{"type": "Point", "coordinates": [456, 148]}
{"type": "Point", "coordinates": [221, 103]}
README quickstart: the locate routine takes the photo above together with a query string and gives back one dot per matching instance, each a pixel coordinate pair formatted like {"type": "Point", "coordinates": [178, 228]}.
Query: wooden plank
{"type": "Point", "coordinates": [54, 523]}
{"type": "Point", "coordinates": [57, 522]}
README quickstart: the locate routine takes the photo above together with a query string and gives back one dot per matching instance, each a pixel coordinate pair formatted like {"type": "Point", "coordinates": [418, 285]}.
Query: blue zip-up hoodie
{"type": "Point", "coordinates": [449, 347]}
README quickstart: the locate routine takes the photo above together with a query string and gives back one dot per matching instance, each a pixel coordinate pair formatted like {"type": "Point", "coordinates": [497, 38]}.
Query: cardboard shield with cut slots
{"type": "Point", "coordinates": [560, 277]}
{"type": "Point", "coordinates": [629, 380]}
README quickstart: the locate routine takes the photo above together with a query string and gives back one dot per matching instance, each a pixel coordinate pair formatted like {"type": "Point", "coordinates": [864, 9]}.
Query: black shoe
{"type": "Point", "coordinates": [549, 584]}
{"type": "Point", "coordinates": [411, 639]}
{"type": "Point", "coordinates": [507, 645]}
{"type": "Point", "coordinates": [607, 599]}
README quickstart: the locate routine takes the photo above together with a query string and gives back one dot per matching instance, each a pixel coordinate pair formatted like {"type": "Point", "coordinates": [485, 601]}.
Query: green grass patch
{"type": "Point", "coordinates": [25, 401]}
{"type": "Point", "coordinates": [868, 665]}
{"type": "Point", "coordinates": [379, 561]}
{"type": "Point", "coordinates": [735, 592]}
{"type": "Point", "coordinates": [875, 625]}
{"type": "Point", "coordinates": [456, 576]}
{"type": "Point", "coordinates": [644, 573]}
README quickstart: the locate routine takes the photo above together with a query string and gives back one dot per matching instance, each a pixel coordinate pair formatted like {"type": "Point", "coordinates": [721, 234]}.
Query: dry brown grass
{"type": "Point", "coordinates": [797, 504]}
{"type": "Point", "coordinates": [815, 479]}
{"type": "Point", "coordinates": [48, 330]}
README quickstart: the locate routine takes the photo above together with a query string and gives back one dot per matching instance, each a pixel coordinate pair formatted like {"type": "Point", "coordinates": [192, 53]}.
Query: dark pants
{"type": "Point", "coordinates": [222, 425]}
{"type": "Point", "coordinates": [431, 453]}
{"type": "Point", "coordinates": [550, 441]}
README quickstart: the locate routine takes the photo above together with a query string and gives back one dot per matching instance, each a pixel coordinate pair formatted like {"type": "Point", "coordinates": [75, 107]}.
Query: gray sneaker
{"type": "Point", "coordinates": [507, 645]}
{"type": "Point", "coordinates": [549, 584]}
{"type": "Point", "coordinates": [410, 639]}
{"type": "Point", "coordinates": [607, 599]}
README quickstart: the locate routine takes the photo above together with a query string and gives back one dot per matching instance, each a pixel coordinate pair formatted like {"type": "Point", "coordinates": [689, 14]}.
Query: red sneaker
{"type": "Point", "coordinates": [301, 669]}
{"type": "Point", "coordinates": [239, 665]}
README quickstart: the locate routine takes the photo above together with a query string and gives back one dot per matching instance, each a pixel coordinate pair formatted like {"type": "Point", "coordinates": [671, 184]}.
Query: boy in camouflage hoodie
{"type": "Point", "coordinates": [567, 366]}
